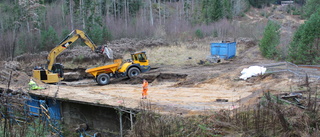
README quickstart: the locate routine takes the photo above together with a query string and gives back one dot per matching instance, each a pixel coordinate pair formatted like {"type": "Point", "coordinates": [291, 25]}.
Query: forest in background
{"type": "Point", "coordinates": [38, 25]}
{"type": "Point", "coordinates": [32, 26]}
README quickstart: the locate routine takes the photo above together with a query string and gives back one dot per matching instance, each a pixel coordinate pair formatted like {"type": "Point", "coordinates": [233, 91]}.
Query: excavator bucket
{"type": "Point", "coordinates": [107, 51]}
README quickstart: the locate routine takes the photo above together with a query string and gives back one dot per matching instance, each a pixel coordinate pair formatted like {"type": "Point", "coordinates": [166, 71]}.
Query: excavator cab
{"type": "Point", "coordinates": [58, 68]}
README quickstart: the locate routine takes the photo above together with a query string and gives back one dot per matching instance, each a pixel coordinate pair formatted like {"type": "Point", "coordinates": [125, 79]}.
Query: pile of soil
{"type": "Point", "coordinates": [11, 75]}
{"type": "Point", "coordinates": [126, 45]}
{"type": "Point", "coordinates": [133, 45]}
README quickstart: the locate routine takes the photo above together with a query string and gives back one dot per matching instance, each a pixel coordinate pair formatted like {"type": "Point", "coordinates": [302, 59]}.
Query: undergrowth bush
{"type": "Point", "coordinates": [199, 34]}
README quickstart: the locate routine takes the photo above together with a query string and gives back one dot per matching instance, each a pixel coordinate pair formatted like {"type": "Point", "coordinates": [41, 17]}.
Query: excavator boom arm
{"type": "Point", "coordinates": [72, 37]}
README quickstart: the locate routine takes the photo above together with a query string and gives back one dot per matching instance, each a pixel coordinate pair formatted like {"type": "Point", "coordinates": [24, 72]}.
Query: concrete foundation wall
{"type": "Point", "coordinates": [101, 119]}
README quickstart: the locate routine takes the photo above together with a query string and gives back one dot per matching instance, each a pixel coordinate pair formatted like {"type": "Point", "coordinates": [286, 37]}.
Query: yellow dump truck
{"type": "Point", "coordinates": [132, 67]}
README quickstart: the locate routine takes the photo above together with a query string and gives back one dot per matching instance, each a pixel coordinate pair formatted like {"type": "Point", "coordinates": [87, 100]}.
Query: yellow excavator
{"type": "Point", "coordinates": [53, 72]}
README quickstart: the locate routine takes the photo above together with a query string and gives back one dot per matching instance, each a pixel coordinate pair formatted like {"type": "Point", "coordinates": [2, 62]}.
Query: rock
{"type": "Point", "coordinates": [82, 127]}
{"type": "Point", "coordinates": [13, 65]}
{"type": "Point", "coordinates": [221, 100]}
{"type": "Point", "coordinates": [71, 76]}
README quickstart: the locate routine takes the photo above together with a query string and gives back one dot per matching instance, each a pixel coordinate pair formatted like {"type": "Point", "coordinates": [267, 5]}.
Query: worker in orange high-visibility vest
{"type": "Point", "coordinates": [144, 89]}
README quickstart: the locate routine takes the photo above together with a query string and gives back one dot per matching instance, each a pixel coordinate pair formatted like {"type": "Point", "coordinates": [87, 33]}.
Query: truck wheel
{"type": "Point", "coordinates": [103, 79]}
{"type": "Point", "coordinates": [133, 72]}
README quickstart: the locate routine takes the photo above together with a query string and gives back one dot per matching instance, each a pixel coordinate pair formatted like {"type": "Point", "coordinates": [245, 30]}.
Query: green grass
{"type": "Point", "coordinates": [177, 55]}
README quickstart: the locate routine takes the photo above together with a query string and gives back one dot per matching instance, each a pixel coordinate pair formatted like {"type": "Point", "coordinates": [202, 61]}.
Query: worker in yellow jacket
{"type": "Point", "coordinates": [33, 85]}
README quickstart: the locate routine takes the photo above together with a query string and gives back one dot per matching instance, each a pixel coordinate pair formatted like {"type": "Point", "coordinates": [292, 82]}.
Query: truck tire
{"type": "Point", "coordinates": [103, 79]}
{"type": "Point", "coordinates": [133, 72]}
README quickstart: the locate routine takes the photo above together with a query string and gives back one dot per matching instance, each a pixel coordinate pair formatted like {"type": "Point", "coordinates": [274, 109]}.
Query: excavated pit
{"type": "Point", "coordinates": [78, 77]}
{"type": "Point", "coordinates": [150, 77]}
{"type": "Point", "coordinates": [153, 78]}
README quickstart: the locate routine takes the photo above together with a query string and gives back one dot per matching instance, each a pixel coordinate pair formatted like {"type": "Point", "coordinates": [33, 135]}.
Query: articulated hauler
{"type": "Point", "coordinates": [133, 67]}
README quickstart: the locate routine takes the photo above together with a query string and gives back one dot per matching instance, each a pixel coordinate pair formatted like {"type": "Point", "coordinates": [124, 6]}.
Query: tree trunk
{"type": "Point", "coordinates": [94, 12]}
{"type": "Point", "coordinates": [164, 15]}
{"type": "Point", "coordinates": [71, 14]}
{"type": "Point", "coordinates": [100, 8]}
{"type": "Point", "coordinates": [28, 27]}
{"type": "Point", "coordinates": [62, 8]}
{"type": "Point", "coordinates": [82, 15]}
{"type": "Point", "coordinates": [126, 14]}
{"type": "Point", "coordinates": [159, 5]}
{"type": "Point", "coordinates": [118, 9]}
{"type": "Point", "coordinates": [179, 10]}
{"type": "Point", "coordinates": [1, 24]}
{"type": "Point", "coordinates": [107, 11]}
{"type": "Point", "coordinates": [151, 17]}
{"type": "Point", "coordinates": [114, 9]}
{"type": "Point", "coordinates": [192, 6]}
{"type": "Point", "coordinates": [142, 14]}
{"type": "Point", "coordinates": [182, 10]}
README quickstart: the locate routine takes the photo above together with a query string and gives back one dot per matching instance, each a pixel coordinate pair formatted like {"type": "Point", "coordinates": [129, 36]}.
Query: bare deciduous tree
{"type": "Point", "coordinates": [151, 16]}
{"type": "Point", "coordinates": [71, 14]}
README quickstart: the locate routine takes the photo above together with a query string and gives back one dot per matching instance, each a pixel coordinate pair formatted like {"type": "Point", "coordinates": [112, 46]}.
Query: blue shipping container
{"type": "Point", "coordinates": [224, 50]}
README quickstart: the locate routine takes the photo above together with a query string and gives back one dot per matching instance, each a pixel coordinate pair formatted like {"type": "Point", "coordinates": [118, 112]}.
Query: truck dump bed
{"type": "Point", "coordinates": [111, 68]}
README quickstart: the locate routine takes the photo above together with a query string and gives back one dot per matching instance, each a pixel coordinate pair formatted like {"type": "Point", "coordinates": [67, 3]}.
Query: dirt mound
{"type": "Point", "coordinates": [83, 54]}
{"type": "Point", "coordinates": [124, 45]}
{"type": "Point", "coordinates": [81, 57]}
{"type": "Point", "coordinates": [28, 61]}
{"type": "Point", "coordinates": [246, 42]}
{"type": "Point", "coordinates": [10, 71]}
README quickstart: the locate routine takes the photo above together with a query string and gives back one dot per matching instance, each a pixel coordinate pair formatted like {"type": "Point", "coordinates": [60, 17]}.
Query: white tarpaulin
{"type": "Point", "coordinates": [252, 71]}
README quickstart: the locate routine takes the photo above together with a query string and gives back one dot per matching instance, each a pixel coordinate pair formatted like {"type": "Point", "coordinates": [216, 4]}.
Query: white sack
{"type": "Point", "coordinates": [252, 71]}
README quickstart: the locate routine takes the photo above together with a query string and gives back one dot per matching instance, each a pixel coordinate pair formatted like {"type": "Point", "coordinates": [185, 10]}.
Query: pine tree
{"type": "Point", "coordinates": [305, 46]}
{"type": "Point", "coordinates": [261, 3]}
{"type": "Point", "coordinates": [48, 39]}
{"type": "Point", "coordinates": [211, 10]}
{"type": "Point", "coordinates": [311, 7]}
{"type": "Point", "coordinates": [270, 40]}
{"type": "Point", "coordinates": [227, 9]}
{"type": "Point", "coordinates": [217, 10]}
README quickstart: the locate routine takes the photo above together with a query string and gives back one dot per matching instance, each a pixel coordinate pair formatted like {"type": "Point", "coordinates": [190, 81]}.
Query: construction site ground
{"type": "Point", "coordinates": [185, 89]}
{"type": "Point", "coordinates": [178, 84]}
